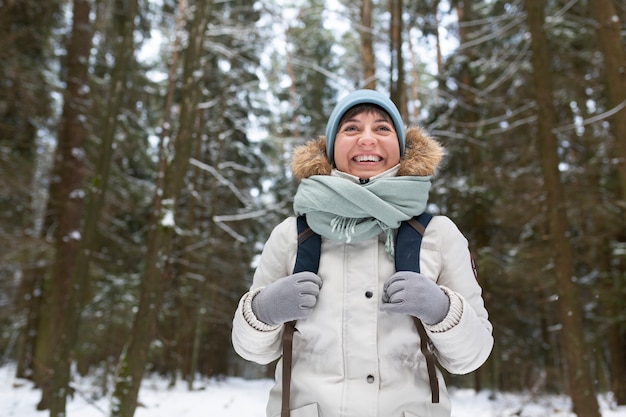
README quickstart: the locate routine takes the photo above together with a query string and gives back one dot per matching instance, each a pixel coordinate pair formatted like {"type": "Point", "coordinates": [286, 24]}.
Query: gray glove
{"type": "Point", "coordinates": [408, 292]}
{"type": "Point", "coordinates": [289, 298]}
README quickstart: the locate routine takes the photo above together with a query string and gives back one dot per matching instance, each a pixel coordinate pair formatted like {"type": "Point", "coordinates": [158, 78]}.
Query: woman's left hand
{"type": "Point", "coordinates": [408, 292]}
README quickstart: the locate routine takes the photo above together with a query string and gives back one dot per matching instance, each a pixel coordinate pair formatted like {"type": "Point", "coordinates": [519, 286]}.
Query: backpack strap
{"type": "Point", "coordinates": [409, 242]}
{"type": "Point", "coordinates": [407, 257]}
{"type": "Point", "coordinates": [287, 358]}
{"type": "Point", "coordinates": [430, 360]}
{"type": "Point", "coordinates": [307, 259]}
{"type": "Point", "coordinates": [309, 248]}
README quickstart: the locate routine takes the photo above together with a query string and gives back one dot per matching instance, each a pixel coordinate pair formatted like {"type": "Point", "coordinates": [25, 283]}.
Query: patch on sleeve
{"type": "Point", "coordinates": [474, 266]}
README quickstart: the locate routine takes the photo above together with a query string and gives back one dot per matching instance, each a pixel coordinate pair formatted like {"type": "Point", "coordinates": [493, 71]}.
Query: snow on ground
{"type": "Point", "coordinates": [237, 397]}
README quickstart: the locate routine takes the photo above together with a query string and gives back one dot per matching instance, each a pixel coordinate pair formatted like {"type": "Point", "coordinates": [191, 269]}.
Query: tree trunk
{"type": "Point", "coordinates": [25, 31]}
{"type": "Point", "coordinates": [608, 31]}
{"type": "Point", "coordinates": [95, 201]}
{"type": "Point", "coordinates": [293, 97]}
{"type": "Point", "coordinates": [133, 361]}
{"type": "Point", "coordinates": [194, 302]}
{"type": "Point", "coordinates": [367, 49]}
{"type": "Point", "coordinates": [435, 13]}
{"type": "Point", "coordinates": [612, 47]}
{"type": "Point", "coordinates": [415, 79]}
{"type": "Point", "coordinates": [397, 91]}
{"type": "Point", "coordinates": [70, 206]}
{"type": "Point", "coordinates": [611, 290]}
{"type": "Point", "coordinates": [572, 340]}
{"type": "Point", "coordinates": [478, 208]}
{"type": "Point", "coordinates": [131, 365]}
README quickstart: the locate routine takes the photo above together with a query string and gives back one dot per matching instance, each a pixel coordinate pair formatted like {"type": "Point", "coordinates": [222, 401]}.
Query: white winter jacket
{"type": "Point", "coordinates": [349, 358]}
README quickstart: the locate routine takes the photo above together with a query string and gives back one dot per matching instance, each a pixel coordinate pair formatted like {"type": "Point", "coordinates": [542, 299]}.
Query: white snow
{"type": "Point", "coordinates": [168, 219]}
{"type": "Point", "coordinates": [237, 397]}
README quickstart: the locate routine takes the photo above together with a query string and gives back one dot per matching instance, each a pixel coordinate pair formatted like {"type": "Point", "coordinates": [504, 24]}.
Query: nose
{"type": "Point", "coordinates": [367, 138]}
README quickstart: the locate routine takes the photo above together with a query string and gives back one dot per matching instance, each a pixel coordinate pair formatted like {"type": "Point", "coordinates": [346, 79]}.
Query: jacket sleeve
{"type": "Point", "coordinates": [465, 346]}
{"type": "Point", "coordinates": [276, 261]}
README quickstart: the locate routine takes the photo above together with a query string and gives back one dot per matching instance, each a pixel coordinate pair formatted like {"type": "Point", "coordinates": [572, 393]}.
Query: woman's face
{"type": "Point", "coordinates": [366, 145]}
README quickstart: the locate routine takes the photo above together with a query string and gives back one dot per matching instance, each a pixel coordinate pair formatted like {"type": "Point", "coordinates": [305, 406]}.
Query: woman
{"type": "Point", "coordinates": [356, 348]}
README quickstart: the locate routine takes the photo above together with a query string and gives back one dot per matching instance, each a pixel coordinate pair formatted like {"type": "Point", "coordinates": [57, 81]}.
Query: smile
{"type": "Point", "coordinates": [367, 158]}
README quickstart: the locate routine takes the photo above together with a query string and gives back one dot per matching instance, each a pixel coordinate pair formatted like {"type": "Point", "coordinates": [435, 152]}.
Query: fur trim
{"type": "Point", "coordinates": [310, 159]}
{"type": "Point", "coordinates": [422, 156]}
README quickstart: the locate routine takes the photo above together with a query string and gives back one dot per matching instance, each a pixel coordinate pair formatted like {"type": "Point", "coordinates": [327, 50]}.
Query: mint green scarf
{"type": "Point", "coordinates": [340, 209]}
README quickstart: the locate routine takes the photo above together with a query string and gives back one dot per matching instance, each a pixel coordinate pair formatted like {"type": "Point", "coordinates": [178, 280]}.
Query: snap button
{"type": "Point", "coordinates": [370, 379]}
{"type": "Point", "coordinates": [369, 294]}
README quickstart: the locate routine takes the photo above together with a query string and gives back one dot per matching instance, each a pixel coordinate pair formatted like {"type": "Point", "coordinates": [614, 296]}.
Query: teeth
{"type": "Point", "coordinates": [367, 158]}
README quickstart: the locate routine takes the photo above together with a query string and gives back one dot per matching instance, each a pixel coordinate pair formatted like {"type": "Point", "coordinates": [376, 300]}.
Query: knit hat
{"type": "Point", "coordinates": [362, 97]}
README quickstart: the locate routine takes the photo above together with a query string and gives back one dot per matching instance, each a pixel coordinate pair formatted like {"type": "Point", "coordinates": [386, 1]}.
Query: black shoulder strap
{"type": "Point", "coordinates": [309, 248]}
{"type": "Point", "coordinates": [307, 259]}
{"type": "Point", "coordinates": [409, 242]}
{"type": "Point", "coordinates": [407, 258]}
{"type": "Point", "coordinates": [408, 245]}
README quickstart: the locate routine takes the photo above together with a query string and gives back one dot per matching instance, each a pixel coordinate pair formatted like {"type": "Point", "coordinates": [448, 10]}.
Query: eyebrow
{"type": "Point", "coordinates": [379, 120]}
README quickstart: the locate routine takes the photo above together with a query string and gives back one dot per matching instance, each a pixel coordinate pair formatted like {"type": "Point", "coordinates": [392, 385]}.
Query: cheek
{"type": "Point", "coordinates": [394, 158]}
{"type": "Point", "coordinates": [393, 152]}
{"type": "Point", "coordinates": [341, 163]}
{"type": "Point", "coordinates": [340, 153]}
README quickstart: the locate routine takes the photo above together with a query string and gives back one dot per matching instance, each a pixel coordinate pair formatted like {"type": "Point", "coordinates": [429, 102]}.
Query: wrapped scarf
{"type": "Point", "coordinates": [342, 210]}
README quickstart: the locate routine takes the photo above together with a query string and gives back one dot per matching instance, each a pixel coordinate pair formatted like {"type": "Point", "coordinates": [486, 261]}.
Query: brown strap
{"type": "Point", "coordinates": [304, 235]}
{"type": "Point", "coordinates": [417, 226]}
{"type": "Point", "coordinates": [287, 350]}
{"type": "Point", "coordinates": [430, 360]}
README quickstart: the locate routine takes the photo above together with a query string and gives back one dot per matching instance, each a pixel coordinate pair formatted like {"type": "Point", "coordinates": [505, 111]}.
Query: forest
{"type": "Point", "coordinates": [144, 160]}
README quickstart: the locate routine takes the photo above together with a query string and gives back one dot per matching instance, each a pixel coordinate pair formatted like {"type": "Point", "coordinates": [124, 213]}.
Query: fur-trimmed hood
{"type": "Point", "coordinates": [422, 156]}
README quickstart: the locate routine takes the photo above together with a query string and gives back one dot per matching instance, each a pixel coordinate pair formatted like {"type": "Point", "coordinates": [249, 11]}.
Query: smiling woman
{"type": "Point", "coordinates": [366, 143]}
{"type": "Point", "coordinates": [357, 345]}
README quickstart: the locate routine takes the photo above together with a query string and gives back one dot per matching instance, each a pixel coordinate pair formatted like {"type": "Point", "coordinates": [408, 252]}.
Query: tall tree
{"type": "Point", "coordinates": [614, 55]}
{"type": "Point", "coordinates": [78, 290]}
{"type": "Point", "coordinates": [367, 47]}
{"type": "Point", "coordinates": [70, 161]}
{"type": "Point", "coordinates": [157, 262]}
{"type": "Point", "coordinates": [612, 47]}
{"type": "Point", "coordinates": [474, 167]}
{"type": "Point", "coordinates": [26, 33]}
{"type": "Point", "coordinates": [397, 87]}
{"type": "Point", "coordinates": [233, 167]}
{"type": "Point", "coordinates": [572, 341]}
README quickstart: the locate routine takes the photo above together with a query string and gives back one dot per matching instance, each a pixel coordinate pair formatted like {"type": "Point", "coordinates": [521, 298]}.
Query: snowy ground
{"type": "Point", "coordinates": [236, 397]}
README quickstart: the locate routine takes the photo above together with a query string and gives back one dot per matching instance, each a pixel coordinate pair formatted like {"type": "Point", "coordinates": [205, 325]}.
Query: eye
{"type": "Point", "coordinates": [349, 128]}
{"type": "Point", "coordinates": [384, 128]}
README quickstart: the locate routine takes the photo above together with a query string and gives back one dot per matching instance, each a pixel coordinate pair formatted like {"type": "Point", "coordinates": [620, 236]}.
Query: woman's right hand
{"type": "Point", "coordinates": [287, 299]}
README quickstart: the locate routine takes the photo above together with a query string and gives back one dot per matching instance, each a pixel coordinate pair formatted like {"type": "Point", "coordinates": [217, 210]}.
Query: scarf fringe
{"type": "Point", "coordinates": [389, 244]}
{"type": "Point", "coordinates": [344, 226]}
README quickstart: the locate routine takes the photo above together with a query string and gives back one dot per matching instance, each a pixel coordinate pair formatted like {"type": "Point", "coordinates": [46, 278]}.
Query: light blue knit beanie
{"type": "Point", "coordinates": [362, 97]}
